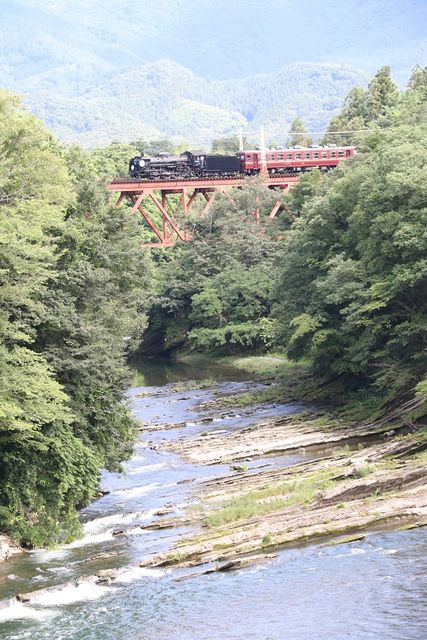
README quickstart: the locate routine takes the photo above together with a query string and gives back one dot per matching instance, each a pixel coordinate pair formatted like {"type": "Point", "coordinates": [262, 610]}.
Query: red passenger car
{"type": "Point", "coordinates": [295, 159]}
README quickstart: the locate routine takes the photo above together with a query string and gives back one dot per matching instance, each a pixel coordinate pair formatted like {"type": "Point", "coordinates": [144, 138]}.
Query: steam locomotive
{"type": "Point", "coordinates": [197, 164]}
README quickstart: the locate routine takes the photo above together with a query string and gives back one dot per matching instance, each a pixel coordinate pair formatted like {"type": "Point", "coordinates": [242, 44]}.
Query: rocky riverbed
{"type": "Point", "coordinates": [211, 491]}
{"type": "Point", "coordinates": [377, 485]}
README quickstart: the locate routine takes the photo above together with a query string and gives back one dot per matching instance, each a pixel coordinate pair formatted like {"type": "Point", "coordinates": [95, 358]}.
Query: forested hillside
{"type": "Point", "coordinates": [351, 293]}
{"type": "Point", "coordinates": [124, 70]}
{"type": "Point", "coordinates": [165, 99]}
{"type": "Point", "coordinates": [217, 39]}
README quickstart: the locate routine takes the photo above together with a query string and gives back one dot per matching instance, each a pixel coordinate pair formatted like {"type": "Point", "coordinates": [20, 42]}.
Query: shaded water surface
{"type": "Point", "coordinates": [371, 589]}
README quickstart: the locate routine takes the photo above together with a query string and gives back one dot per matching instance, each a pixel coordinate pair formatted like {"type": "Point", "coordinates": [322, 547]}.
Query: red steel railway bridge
{"type": "Point", "coordinates": [158, 193]}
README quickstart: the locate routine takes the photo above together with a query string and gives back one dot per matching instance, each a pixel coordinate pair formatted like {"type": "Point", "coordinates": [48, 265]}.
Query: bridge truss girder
{"type": "Point", "coordinates": [158, 194]}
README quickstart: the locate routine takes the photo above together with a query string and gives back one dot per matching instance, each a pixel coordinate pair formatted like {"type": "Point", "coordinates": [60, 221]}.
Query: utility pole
{"type": "Point", "coordinates": [240, 139]}
{"type": "Point", "coordinates": [263, 162]}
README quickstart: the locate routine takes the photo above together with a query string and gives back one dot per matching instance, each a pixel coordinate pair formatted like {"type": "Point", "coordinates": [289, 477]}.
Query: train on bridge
{"type": "Point", "coordinates": [199, 164]}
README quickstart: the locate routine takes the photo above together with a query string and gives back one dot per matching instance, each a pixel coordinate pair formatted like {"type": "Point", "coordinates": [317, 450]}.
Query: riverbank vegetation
{"type": "Point", "coordinates": [73, 288]}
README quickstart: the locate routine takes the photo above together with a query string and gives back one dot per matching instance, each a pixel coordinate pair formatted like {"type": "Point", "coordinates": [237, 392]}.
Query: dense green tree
{"type": "Point", "coordinates": [308, 186]}
{"type": "Point", "coordinates": [113, 160]}
{"type": "Point", "coordinates": [216, 291]}
{"type": "Point", "coordinates": [364, 109]}
{"type": "Point", "coordinates": [417, 82]}
{"type": "Point", "coordinates": [382, 94]}
{"type": "Point", "coordinates": [298, 134]}
{"type": "Point", "coordinates": [45, 471]}
{"type": "Point", "coordinates": [92, 305]}
{"type": "Point", "coordinates": [352, 289]}
{"type": "Point", "coordinates": [352, 118]}
{"type": "Point", "coordinates": [71, 287]}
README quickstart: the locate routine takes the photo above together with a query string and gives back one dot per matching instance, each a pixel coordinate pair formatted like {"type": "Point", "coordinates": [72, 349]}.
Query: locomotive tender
{"type": "Point", "coordinates": [197, 164]}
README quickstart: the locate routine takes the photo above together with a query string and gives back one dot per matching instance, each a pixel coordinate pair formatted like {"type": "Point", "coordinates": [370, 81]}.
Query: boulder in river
{"type": "Point", "coordinates": [233, 565]}
{"type": "Point", "coordinates": [8, 548]}
{"type": "Point", "coordinates": [82, 588]}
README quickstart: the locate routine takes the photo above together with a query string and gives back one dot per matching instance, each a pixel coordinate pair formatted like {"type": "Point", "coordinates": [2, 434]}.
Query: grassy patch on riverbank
{"type": "Point", "coordinates": [261, 367]}
{"type": "Point", "coordinates": [268, 499]}
{"type": "Point", "coordinates": [286, 379]}
{"type": "Point", "coordinates": [274, 365]}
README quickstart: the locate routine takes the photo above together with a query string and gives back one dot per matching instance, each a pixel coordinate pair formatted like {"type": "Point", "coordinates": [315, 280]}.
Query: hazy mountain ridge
{"type": "Point", "coordinates": [95, 72]}
{"type": "Point", "coordinates": [165, 98]}
{"type": "Point", "coordinates": [220, 39]}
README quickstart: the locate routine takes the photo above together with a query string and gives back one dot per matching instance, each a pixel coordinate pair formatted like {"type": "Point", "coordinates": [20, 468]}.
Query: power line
{"type": "Point", "coordinates": [209, 135]}
{"type": "Point", "coordinates": [231, 134]}
{"type": "Point", "coordinates": [311, 133]}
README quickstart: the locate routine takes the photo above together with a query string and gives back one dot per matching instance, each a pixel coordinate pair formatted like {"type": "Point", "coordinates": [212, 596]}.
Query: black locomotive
{"type": "Point", "coordinates": [190, 164]}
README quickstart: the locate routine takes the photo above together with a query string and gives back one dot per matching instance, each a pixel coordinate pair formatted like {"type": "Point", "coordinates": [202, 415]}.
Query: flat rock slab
{"type": "Point", "coordinates": [274, 436]}
{"type": "Point", "coordinates": [299, 524]}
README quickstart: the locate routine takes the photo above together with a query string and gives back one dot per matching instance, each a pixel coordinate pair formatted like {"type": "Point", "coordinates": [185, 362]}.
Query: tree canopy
{"type": "Point", "coordinates": [298, 134]}
{"type": "Point", "coordinates": [351, 293]}
{"type": "Point", "coordinates": [216, 292]}
{"type": "Point", "coordinates": [364, 109]}
{"type": "Point", "coordinates": [71, 289]}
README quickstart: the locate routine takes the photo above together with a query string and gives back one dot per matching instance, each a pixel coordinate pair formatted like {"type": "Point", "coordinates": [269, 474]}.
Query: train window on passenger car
{"type": "Point", "coordinates": [324, 154]}
{"type": "Point", "coordinates": [280, 156]}
{"type": "Point", "coordinates": [289, 156]}
{"type": "Point", "coordinates": [248, 157]}
{"type": "Point", "coordinates": [315, 155]}
{"type": "Point", "coordinates": [298, 156]}
{"type": "Point", "coordinates": [333, 154]}
{"type": "Point", "coordinates": [307, 154]}
{"type": "Point", "coordinates": [341, 154]}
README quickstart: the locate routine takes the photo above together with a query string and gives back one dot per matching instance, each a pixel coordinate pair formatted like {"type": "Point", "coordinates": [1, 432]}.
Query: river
{"type": "Point", "coordinates": [359, 591]}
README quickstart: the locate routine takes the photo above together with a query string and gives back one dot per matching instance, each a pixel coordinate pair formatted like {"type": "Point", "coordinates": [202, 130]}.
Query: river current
{"type": "Point", "coordinates": [374, 589]}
